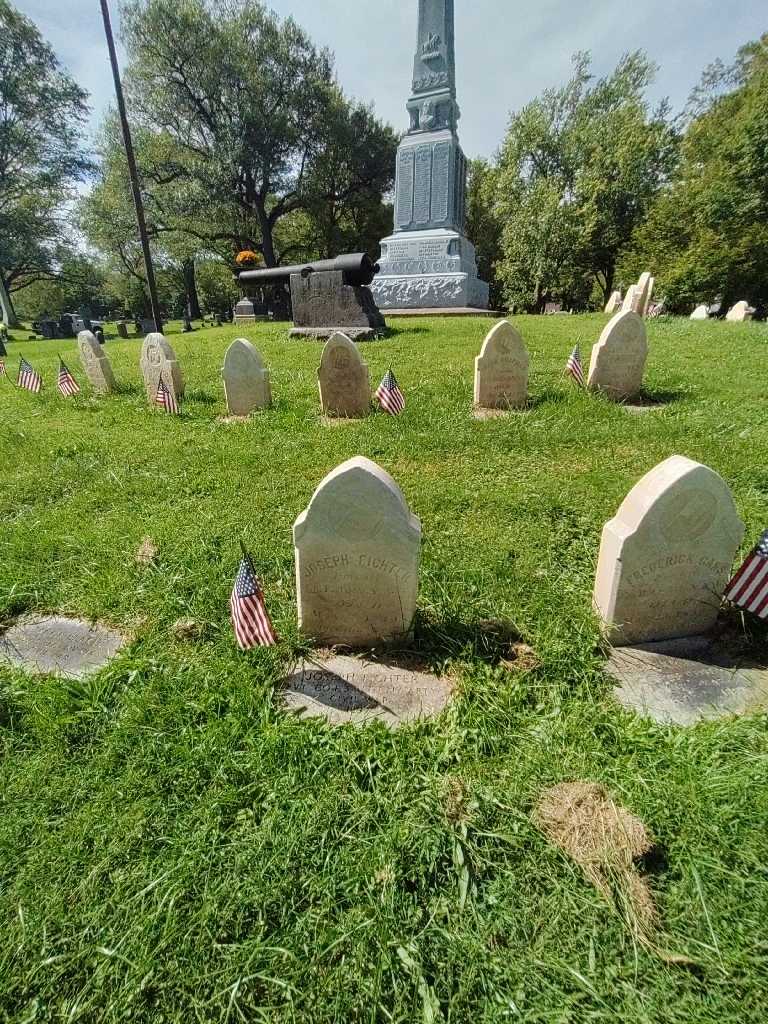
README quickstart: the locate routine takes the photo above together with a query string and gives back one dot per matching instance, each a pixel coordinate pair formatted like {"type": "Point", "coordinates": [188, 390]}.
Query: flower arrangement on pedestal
{"type": "Point", "coordinates": [247, 260]}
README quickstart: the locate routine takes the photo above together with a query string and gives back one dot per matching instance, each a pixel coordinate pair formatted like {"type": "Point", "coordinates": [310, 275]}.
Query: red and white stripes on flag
{"type": "Point", "coordinates": [28, 379]}
{"type": "Point", "coordinates": [3, 371]}
{"type": "Point", "coordinates": [749, 587]}
{"type": "Point", "coordinates": [166, 399]}
{"type": "Point", "coordinates": [65, 382]}
{"type": "Point", "coordinates": [389, 396]}
{"type": "Point", "coordinates": [253, 627]}
{"type": "Point", "coordinates": [574, 367]}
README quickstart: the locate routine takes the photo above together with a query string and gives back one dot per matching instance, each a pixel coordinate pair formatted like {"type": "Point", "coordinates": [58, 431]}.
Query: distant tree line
{"type": "Point", "coordinates": [245, 140]}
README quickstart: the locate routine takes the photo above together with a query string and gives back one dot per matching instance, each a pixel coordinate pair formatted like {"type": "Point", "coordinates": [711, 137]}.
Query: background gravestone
{"type": "Point", "coordinates": [246, 382]}
{"type": "Point", "coordinates": [618, 359]}
{"type": "Point", "coordinates": [614, 303]}
{"type": "Point", "coordinates": [344, 380]}
{"type": "Point", "coordinates": [357, 551]}
{"type": "Point", "coordinates": [700, 313]}
{"type": "Point", "coordinates": [501, 370]}
{"type": "Point", "coordinates": [96, 364]}
{"type": "Point", "coordinates": [158, 358]}
{"type": "Point", "coordinates": [739, 313]}
{"type": "Point", "coordinates": [666, 557]}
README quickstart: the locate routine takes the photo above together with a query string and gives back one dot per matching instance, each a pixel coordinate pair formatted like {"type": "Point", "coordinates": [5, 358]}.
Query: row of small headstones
{"type": "Point", "coordinates": [664, 564]}
{"type": "Point", "coordinates": [501, 370]}
{"type": "Point", "coordinates": [638, 300]}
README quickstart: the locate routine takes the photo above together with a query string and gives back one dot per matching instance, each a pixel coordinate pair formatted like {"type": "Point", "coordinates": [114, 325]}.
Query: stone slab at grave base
{"type": "Point", "coordinates": [446, 311]}
{"type": "Point", "coordinates": [53, 644]}
{"type": "Point", "coordinates": [323, 333]}
{"type": "Point", "coordinates": [497, 414]}
{"type": "Point", "coordinates": [689, 680]}
{"type": "Point", "coordinates": [344, 689]}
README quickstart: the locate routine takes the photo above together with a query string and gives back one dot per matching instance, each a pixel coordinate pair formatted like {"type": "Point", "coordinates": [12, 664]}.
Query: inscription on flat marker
{"type": "Point", "coordinates": [501, 370]}
{"type": "Point", "coordinates": [666, 557]}
{"type": "Point", "coordinates": [357, 550]}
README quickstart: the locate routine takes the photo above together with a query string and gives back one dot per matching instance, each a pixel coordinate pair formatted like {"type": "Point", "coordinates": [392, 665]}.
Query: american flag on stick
{"type": "Point", "coordinates": [166, 399]}
{"type": "Point", "coordinates": [574, 367]}
{"type": "Point", "coordinates": [253, 627]}
{"type": "Point", "coordinates": [28, 379]}
{"type": "Point", "coordinates": [390, 397]}
{"type": "Point", "coordinates": [3, 371]}
{"type": "Point", "coordinates": [65, 382]}
{"type": "Point", "coordinates": [749, 587]}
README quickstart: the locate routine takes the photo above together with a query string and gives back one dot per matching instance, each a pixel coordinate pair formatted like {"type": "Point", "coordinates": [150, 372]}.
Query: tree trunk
{"type": "Point", "coordinates": [190, 286]}
{"type": "Point", "coordinates": [267, 241]}
{"type": "Point", "coordinates": [6, 306]}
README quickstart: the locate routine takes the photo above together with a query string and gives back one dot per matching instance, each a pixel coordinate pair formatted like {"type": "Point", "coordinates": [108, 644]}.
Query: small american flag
{"type": "Point", "coordinates": [3, 371]}
{"type": "Point", "coordinates": [574, 367]}
{"type": "Point", "coordinates": [253, 627]}
{"type": "Point", "coordinates": [29, 379]}
{"type": "Point", "coordinates": [389, 395]}
{"type": "Point", "coordinates": [66, 383]}
{"type": "Point", "coordinates": [166, 399]}
{"type": "Point", "coordinates": [749, 587]}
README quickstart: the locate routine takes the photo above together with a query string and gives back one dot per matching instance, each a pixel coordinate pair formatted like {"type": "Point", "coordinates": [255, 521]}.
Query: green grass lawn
{"type": "Point", "coordinates": [175, 848]}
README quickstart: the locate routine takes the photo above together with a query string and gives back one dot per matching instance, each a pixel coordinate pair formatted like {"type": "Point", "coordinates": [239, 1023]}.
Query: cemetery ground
{"type": "Point", "coordinates": [176, 847]}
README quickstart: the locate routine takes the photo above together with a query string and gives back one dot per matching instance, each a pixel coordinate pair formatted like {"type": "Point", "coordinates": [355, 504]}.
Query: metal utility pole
{"type": "Point", "coordinates": [131, 157]}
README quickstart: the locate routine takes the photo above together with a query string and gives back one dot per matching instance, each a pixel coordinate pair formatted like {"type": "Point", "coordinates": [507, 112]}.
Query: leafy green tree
{"type": "Point", "coordinates": [42, 112]}
{"type": "Point", "coordinates": [260, 129]}
{"type": "Point", "coordinates": [484, 225]}
{"type": "Point", "coordinates": [707, 234]}
{"type": "Point", "coordinates": [578, 170]}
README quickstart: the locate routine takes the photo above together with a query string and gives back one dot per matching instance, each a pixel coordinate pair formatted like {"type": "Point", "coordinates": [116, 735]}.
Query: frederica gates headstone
{"type": "Point", "coordinates": [501, 370]}
{"type": "Point", "coordinates": [618, 359]}
{"type": "Point", "coordinates": [246, 382]}
{"type": "Point", "coordinates": [96, 364]}
{"type": "Point", "coordinates": [344, 380]}
{"type": "Point", "coordinates": [357, 550]}
{"type": "Point", "coordinates": [666, 557]}
{"type": "Point", "coordinates": [159, 360]}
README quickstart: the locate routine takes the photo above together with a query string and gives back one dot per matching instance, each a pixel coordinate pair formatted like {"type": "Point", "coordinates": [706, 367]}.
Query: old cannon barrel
{"type": "Point", "coordinates": [358, 269]}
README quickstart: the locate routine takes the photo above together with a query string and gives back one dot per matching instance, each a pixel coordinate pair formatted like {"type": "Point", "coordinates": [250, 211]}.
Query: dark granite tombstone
{"type": "Point", "coordinates": [323, 304]}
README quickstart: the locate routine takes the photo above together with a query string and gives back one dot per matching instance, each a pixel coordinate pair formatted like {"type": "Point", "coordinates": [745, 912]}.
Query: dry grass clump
{"type": "Point", "coordinates": [605, 839]}
{"type": "Point", "coordinates": [146, 552]}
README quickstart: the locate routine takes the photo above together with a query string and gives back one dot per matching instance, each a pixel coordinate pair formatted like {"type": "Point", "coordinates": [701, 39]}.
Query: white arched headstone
{"type": "Point", "coordinates": [96, 364]}
{"type": "Point", "coordinates": [357, 549]}
{"type": "Point", "coordinates": [343, 378]}
{"type": "Point", "coordinates": [618, 359]}
{"type": "Point", "coordinates": [700, 313]}
{"type": "Point", "coordinates": [246, 382]}
{"type": "Point", "coordinates": [666, 557]}
{"type": "Point", "coordinates": [501, 370]}
{"type": "Point", "coordinates": [159, 360]}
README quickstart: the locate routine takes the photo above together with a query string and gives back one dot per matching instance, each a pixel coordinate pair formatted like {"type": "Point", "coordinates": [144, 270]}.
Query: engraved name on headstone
{"type": "Point", "coordinates": [618, 359]}
{"type": "Point", "coordinates": [357, 558]}
{"type": "Point", "coordinates": [344, 380]}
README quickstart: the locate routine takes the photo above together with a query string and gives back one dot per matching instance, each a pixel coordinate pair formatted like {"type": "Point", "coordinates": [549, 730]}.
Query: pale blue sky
{"type": "Point", "coordinates": [507, 51]}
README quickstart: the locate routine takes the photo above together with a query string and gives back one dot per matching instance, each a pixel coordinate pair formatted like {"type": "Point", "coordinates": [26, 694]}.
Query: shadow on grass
{"type": "Point", "coordinates": [654, 399]}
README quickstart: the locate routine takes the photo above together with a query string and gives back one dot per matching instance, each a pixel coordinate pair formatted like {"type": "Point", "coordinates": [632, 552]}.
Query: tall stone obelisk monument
{"type": "Point", "coordinates": [429, 262]}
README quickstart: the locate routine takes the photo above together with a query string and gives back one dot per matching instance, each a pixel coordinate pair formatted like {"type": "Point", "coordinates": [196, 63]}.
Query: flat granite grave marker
{"type": "Point", "coordinates": [666, 557]}
{"type": "Point", "coordinates": [501, 370]}
{"type": "Point", "coordinates": [343, 689]}
{"type": "Point", "coordinates": [53, 644]}
{"type": "Point", "coordinates": [246, 382]}
{"type": "Point", "coordinates": [344, 380]}
{"type": "Point", "coordinates": [618, 359]}
{"type": "Point", "coordinates": [96, 364]}
{"type": "Point", "coordinates": [357, 549]}
{"type": "Point", "coordinates": [159, 360]}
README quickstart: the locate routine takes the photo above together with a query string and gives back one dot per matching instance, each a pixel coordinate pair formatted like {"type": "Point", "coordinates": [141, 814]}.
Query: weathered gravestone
{"type": "Point", "coordinates": [666, 557]}
{"type": "Point", "coordinates": [159, 360]}
{"type": "Point", "coordinates": [700, 313]}
{"type": "Point", "coordinates": [246, 382]}
{"type": "Point", "coordinates": [646, 284]}
{"type": "Point", "coordinates": [618, 359]}
{"type": "Point", "coordinates": [122, 329]}
{"type": "Point", "coordinates": [344, 380]}
{"type": "Point", "coordinates": [501, 370]}
{"type": "Point", "coordinates": [631, 299]}
{"type": "Point", "coordinates": [357, 551]}
{"type": "Point", "coordinates": [614, 303]}
{"type": "Point", "coordinates": [740, 313]}
{"type": "Point", "coordinates": [96, 364]}
{"type": "Point", "coordinates": [54, 644]}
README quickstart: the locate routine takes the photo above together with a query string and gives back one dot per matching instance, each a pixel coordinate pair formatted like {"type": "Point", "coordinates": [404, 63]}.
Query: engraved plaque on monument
{"type": "Point", "coordinates": [666, 557]}
{"type": "Point", "coordinates": [357, 550]}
